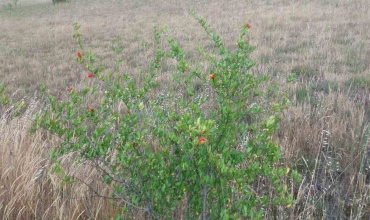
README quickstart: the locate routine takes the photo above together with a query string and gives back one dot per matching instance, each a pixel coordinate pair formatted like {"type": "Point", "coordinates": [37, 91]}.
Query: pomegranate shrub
{"type": "Point", "coordinates": [202, 146]}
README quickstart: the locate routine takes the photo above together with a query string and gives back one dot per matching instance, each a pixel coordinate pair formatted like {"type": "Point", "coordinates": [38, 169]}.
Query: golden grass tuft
{"type": "Point", "coordinates": [28, 188]}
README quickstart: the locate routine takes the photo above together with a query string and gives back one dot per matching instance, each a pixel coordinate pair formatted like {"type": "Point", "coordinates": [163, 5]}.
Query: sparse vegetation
{"type": "Point", "coordinates": [323, 133]}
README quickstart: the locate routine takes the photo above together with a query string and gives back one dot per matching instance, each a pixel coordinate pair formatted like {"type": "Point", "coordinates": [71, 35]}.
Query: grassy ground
{"type": "Point", "coordinates": [324, 133]}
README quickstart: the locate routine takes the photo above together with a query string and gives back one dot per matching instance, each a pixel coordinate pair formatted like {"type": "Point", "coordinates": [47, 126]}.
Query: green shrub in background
{"type": "Point", "coordinates": [203, 142]}
{"type": "Point", "coordinates": [58, 1]}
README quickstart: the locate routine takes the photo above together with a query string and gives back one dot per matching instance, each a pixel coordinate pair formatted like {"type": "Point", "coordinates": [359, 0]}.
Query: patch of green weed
{"type": "Point", "coordinates": [305, 72]}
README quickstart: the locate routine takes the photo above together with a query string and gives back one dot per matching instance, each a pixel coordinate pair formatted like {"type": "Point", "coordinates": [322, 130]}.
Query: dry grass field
{"type": "Point", "coordinates": [324, 132]}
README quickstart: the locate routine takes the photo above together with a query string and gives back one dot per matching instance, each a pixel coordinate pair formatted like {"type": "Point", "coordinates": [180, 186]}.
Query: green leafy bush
{"type": "Point", "coordinates": [4, 99]}
{"type": "Point", "coordinates": [203, 143]}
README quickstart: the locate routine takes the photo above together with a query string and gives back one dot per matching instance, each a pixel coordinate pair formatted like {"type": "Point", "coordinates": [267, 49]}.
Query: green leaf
{"type": "Point", "coordinates": [270, 121]}
{"type": "Point", "coordinates": [190, 91]}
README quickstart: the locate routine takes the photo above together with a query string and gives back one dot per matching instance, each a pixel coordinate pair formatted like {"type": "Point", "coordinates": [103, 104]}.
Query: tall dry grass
{"type": "Point", "coordinates": [323, 134]}
{"type": "Point", "coordinates": [28, 188]}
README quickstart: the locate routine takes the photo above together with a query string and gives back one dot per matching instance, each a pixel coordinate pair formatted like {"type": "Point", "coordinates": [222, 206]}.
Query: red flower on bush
{"type": "Point", "coordinates": [79, 54]}
{"type": "Point", "coordinates": [248, 25]}
{"type": "Point", "coordinates": [91, 109]}
{"type": "Point", "coordinates": [212, 76]}
{"type": "Point", "coordinates": [90, 74]}
{"type": "Point", "coordinates": [202, 140]}
{"type": "Point", "coordinates": [69, 89]}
